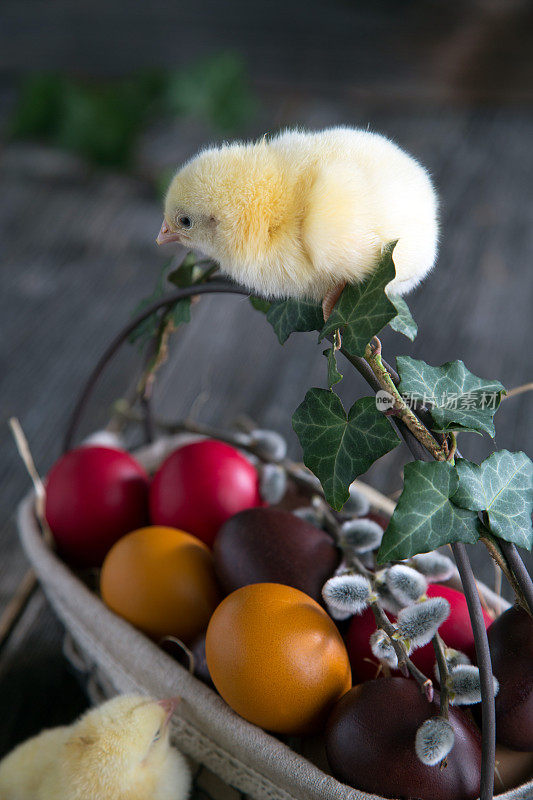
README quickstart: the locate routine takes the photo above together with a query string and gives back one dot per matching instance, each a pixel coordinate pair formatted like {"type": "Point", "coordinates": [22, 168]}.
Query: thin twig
{"type": "Point", "coordinates": [444, 676]}
{"type": "Point", "coordinates": [17, 604]}
{"type": "Point", "coordinates": [526, 387]}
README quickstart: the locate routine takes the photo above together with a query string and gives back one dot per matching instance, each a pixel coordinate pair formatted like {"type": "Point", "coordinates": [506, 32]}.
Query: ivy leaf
{"type": "Point", "coordinates": [424, 517]}
{"type": "Point", "coordinates": [502, 485]}
{"type": "Point", "coordinates": [260, 304]}
{"type": "Point", "coordinates": [289, 316]}
{"type": "Point", "coordinates": [459, 400]}
{"type": "Point", "coordinates": [334, 376]}
{"type": "Point", "coordinates": [403, 322]}
{"type": "Point", "coordinates": [180, 312]}
{"type": "Point", "coordinates": [364, 308]}
{"type": "Point", "coordinates": [338, 447]}
{"type": "Point", "coordinates": [183, 274]}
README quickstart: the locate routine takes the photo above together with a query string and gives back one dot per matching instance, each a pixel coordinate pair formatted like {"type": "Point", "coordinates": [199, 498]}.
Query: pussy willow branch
{"type": "Point", "coordinates": [405, 665]}
{"type": "Point", "coordinates": [444, 676]}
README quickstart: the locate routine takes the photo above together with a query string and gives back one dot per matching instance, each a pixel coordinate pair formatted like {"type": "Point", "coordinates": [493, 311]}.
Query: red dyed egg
{"type": "Point", "coordinates": [94, 495]}
{"type": "Point", "coordinates": [456, 631]}
{"type": "Point", "coordinates": [201, 485]}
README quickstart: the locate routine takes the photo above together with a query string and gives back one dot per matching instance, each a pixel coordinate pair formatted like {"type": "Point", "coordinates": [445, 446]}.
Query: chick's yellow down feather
{"type": "Point", "coordinates": [302, 213]}
{"type": "Point", "coordinates": [118, 751]}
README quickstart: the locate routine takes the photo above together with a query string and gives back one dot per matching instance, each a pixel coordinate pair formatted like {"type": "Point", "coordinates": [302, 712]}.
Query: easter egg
{"type": "Point", "coordinates": [511, 650]}
{"type": "Point", "coordinates": [370, 744]}
{"type": "Point", "coordinates": [162, 581]}
{"type": "Point", "coordinates": [277, 658]}
{"type": "Point", "coordinates": [267, 545]}
{"type": "Point", "coordinates": [456, 631]}
{"type": "Point", "coordinates": [94, 495]}
{"type": "Point", "coordinates": [201, 485]}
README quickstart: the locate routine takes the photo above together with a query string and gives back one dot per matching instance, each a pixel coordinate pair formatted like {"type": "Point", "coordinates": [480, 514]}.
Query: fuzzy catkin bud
{"type": "Point", "coordinates": [434, 740]}
{"type": "Point", "coordinates": [268, 444]}
{"type": "Point", "coordinates": [103, 438]}
{"type": "Point", "coordinates": [405, 584]}
{"type": "Point", "coordinates": [308, 514]}
{"type": "Point", "coordinates": [357, 504]}
{"type": "Point", "coordinates": [420, 622]}
{"type": "Point", "coordinates": [465, 689]}
{"type": "Point", "coordinates": [386, 599]}
{"type": "Point", "coordinates": [382, 648]}
{"type": "Point", "coordinates": [434, 566]}
{"type": "Point", "coordinates": [272, 483]}
{"type": "Point", "coordinates": [453, 659]}
{"type": "Point", "coordinates": [360, 535]}
{"type": "Point", "coordinates": [338, 616]}
{"type": "Point", "coordinates": [347, 593]}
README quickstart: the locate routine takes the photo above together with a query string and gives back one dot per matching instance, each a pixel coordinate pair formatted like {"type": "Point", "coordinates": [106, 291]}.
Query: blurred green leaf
{"type": "Point", "coordinates": [102, 120]}
{"type": "Point", "coordinates": [215, 90]}
{"type": "Point", "coordinates": [39, 106]}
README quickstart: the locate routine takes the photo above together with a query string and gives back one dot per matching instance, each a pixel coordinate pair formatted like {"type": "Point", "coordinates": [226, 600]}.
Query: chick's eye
{"type": "Point", "coordinates": [157, 736]}
{"type": "Point", "coordinates": [185, 222]}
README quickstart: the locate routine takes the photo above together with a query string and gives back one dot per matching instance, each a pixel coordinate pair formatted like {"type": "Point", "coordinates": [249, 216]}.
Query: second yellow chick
{"type": "Point", "coordinates": [118, 751]}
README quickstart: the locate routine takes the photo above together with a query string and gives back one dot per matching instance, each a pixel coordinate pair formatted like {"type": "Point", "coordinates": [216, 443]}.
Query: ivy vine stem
{"type": "Point", "coordinates": [496, 553]}
{"type": "Point", "coordinates": [401, 409]}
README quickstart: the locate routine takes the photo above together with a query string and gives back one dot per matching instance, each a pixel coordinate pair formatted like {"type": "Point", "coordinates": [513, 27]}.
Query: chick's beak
{"type": "Point", "coordinates": [169, 704]}
{"type": "Point", "coordinates": [165, 235]}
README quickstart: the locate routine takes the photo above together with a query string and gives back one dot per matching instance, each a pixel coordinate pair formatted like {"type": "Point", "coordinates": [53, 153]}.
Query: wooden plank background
{"type": "Point", "coordinates": [77, 245]}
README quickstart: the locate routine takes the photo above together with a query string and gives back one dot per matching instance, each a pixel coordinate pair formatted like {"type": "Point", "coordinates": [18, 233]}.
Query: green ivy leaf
{"type": "Point", "coordinates": [334, 376]}
{"type": "Point", "coordinates": [180, 312]}
{"type": "Point", "coordinates": [289, 316]}
{"type": "Point", "coordinates": [339, 447]}
{"type": "Point", "coordinates": [260, 304]}
{"type": "Point", "coordinates": [403, 322]}
{"type": "Point", "coordinates": [459, 400]}
{"type": "Point", "coordinates": [183, 274]}
{"type": "Point", "coordinates": [502, 485]}
{"type": "Point", "coordinates": [363, 309]}
{"type": "Point", "coordinates": [424, 517]}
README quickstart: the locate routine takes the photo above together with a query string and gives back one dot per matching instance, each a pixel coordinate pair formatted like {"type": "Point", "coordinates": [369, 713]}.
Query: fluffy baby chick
{"type": "Point", "coordinates": [301, 214]}
{"type": "Point", "coordinates": [118, 751]}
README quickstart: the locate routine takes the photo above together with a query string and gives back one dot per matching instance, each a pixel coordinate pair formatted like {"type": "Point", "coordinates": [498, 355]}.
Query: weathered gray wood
{"type": "Point", "coordinates": [78, 253]}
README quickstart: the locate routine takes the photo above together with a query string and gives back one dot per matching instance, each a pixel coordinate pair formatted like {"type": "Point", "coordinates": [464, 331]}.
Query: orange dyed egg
{"type": "Point", "coordinates": [277, 658]}
{"type": "Point", "coordinates": [162, 581]}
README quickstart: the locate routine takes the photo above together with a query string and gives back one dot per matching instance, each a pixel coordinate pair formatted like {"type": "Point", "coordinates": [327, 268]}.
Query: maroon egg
{"type": "Point", "coordinates": [94, 495]}
{"type": "Point", "coordinates": [370, 744]}
{"type": "Point", "coordinates": [267, 545]}
{"type": "Point", "coordinates": [511, 650]}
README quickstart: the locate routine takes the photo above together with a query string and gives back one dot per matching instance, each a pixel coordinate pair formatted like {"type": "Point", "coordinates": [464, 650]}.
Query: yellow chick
{"type": "Point", "coordinates": [118, 751]}
{"type": "Point", "coordinates": [302, 214]}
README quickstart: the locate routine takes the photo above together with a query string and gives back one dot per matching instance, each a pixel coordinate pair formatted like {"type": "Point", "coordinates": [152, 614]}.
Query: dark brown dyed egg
{"type": "Point", "coordinates": [370, 744]}
{"type": "Point", "coordinates": [511, 650]}
{"type": "Point", "coordinates": [267, 545]}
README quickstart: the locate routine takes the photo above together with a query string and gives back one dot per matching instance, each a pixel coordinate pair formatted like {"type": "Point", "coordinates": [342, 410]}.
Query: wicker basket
{"type": "Point", "coordinates": [118, 659]}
